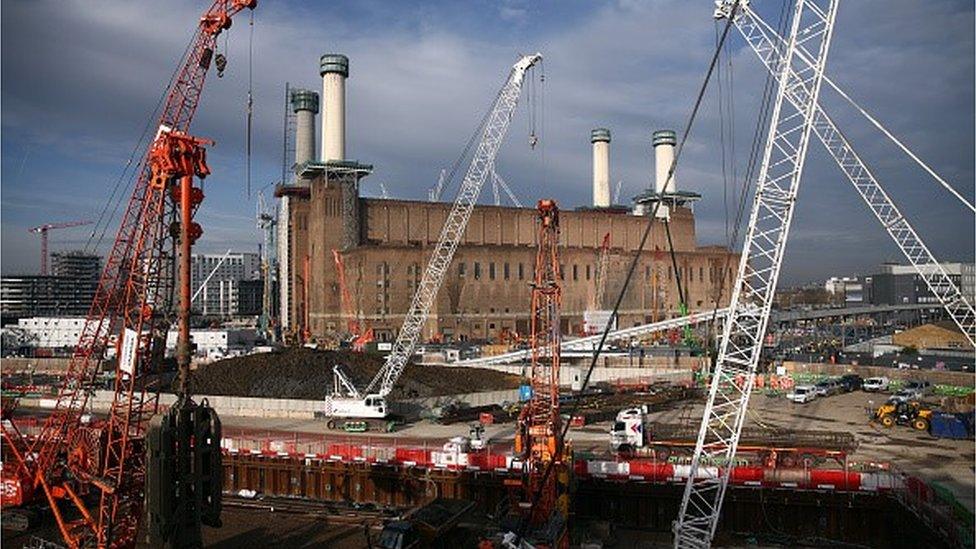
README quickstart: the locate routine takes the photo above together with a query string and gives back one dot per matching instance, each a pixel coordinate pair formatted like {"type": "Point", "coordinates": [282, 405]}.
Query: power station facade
{"type": "Point", "coordinates": [384, 245]}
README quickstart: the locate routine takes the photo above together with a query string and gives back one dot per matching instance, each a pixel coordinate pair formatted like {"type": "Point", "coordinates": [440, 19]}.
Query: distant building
{"type": "Point", "coordinates": [47, 296]}
{"type": "Point", "coordinates": [215, 344]}
{"type": "Point", "coordinates": [851, 289]}
{"type": "Point", "coordinates": [250, 295]}
{"type": "Point", "coordinates": [77, 265]}
{"type": "Point", "coordinates": [68, 291]}
{"type": "Point", "coordinates": [902, 285]}
{"type": "Point", "coordinates": [59, 335]}
{"type": "Point", "coordinates": [221, 295]}
{"type": "Point", "coordinates": [968, 282]}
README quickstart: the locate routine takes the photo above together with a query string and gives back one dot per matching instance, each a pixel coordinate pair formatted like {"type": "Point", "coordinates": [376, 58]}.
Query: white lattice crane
{"type": "Point", "coordinates": [768, 45]}
{"type": "Point", "coordinates": [800, 70]}
{"type": "Point", "coordinates": [347, 400]}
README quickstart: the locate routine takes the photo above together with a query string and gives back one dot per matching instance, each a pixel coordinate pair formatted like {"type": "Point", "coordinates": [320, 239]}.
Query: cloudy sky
{"type": "Point", "coordinates": [80, 79]}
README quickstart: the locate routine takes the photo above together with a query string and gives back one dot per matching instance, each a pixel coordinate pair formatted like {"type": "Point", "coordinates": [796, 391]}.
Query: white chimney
{"type": "Point", "coordinates": [305, 104]}
{"type": "Point", "coordinates": [334, 69]}
{"type": "Point", "coordinates": [663, 141]}
{"type": "Point", "coordinates": [600, 138]}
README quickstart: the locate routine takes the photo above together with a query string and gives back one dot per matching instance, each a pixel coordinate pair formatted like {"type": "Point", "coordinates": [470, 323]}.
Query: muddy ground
{"type": "Point", "coordinates": [307, 374]}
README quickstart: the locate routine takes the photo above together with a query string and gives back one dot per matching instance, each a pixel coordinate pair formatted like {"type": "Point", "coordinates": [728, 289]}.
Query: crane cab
{"type": "Point", "coordinates": [373, 406]}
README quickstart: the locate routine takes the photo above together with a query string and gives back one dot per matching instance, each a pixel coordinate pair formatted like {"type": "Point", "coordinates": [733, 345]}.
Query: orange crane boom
{"type": "Point", "coordinates": [539, 428]}
{"type": "Point", "coordinates": [601, 272]}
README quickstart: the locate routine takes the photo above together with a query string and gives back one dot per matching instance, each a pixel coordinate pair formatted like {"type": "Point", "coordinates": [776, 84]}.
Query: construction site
{"type": "Point", "coordinates": [468, 372]}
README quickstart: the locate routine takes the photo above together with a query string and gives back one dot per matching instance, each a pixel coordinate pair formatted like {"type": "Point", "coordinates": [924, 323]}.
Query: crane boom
{"type": "Point", "coordinates": [762, 256]}
{"type": "Point", "coordinates": [767, 44]}
{"type": "Point", "coordinates": [538, 434]}
{"type": "Point", "coordinates": [345, 298]}
{"type": "Point", "coordinates": [602, 272]}
{"type": "Point", "coordinates": [494, 132]}
{"type": "Point", "coordinates": [134, 284]}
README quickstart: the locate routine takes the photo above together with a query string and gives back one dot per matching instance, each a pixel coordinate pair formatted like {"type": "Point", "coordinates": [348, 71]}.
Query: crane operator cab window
{"type": "Point", "coordinates": [377, 404]}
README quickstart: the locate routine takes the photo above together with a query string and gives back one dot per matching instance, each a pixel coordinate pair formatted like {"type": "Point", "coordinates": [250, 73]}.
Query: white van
{"type": "Point", "coordinates": [876, 384]}
{"type": "Point", "coordinates": [802, 394]}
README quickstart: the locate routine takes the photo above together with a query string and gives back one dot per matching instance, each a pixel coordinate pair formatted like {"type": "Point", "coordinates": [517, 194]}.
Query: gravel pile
{"type": "Point", "coordinates": [307, 374]}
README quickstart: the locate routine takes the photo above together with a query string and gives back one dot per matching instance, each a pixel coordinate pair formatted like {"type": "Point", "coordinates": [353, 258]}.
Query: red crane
{"type": "Point", "coordinates": [43, 230]}
{"type": "Point", "coordinates": [345, 299]}
{"type": "Point", "coordinates": [359, 337]}
{"type": "Point", "coordinates": [601, 272]}
{"type": "Point", "coordinates": [66, 460]}
{"type": "Point", "coordinates": [537, 437]}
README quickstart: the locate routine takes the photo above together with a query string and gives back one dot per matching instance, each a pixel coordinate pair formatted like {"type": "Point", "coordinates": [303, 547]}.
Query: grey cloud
{"type": "Point", "coordinates": [418, 87]}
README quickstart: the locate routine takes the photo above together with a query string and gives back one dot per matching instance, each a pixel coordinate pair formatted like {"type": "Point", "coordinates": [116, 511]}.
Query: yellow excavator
{"type": "Point", "coordinates": [911, 413]}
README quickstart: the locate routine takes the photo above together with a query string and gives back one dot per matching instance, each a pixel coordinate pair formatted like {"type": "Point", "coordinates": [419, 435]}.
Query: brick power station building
{"type": "Point", "coordinates": [385, 244]}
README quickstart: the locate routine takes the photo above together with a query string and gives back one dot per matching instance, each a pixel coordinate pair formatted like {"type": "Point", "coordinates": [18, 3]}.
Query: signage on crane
{"type": "Point", "coordinates": [127, 357]}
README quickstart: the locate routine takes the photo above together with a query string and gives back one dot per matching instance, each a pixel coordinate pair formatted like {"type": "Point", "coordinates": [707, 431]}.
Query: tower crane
{"type": "Point", "coordinates": [103, 472]}
{"type": "Point", "coordinates": [539, 425]}
{"type": "Point", "coordinates": [347, 401]}
{"type": "Point", "coordinates": [267, 223]}
{"type": "Point", "coordinates": [800, 74]}
{"type": "Point", "coordinates": [768, 45]}
{"type": "Point", "coordinates": [602, 271]}
{"type": "Point", "coordinates": [43, 230]}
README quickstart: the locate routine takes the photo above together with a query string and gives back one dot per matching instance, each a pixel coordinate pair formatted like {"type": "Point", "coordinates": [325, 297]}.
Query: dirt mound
{"type": "Point", "coordinates": [307, 374]}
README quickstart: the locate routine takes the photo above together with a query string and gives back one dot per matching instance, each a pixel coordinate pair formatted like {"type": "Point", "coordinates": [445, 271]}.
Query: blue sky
{"type": "Point", "coordinates": [80, 78]}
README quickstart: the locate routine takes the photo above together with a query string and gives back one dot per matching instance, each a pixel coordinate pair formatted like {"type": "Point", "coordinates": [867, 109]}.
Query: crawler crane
{"type": "Point", "coordinates": [101, 469]}
{"type": "Point", "coordinates": [347, 404]}
{"type": "Point", "coordinates": [797, 63]}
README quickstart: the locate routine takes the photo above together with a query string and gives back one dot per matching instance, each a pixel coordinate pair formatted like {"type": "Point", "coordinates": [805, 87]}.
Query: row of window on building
{"type": "Point", "coordinates": [519, 271]}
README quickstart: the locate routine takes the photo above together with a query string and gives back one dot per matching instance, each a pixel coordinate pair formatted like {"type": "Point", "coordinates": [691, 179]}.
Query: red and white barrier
{"type": "Point", "coordinates": [806, 479]}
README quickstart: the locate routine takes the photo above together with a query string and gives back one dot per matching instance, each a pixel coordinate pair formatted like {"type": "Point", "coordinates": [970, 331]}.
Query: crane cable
{"type": "Point", "coordinates": [560, 441]}
{"type": "Point", "coordinates": [900, 145]}
{"type": "Point", "coordinates": [542, 119]}
{"type": "Point", "coordinates": [125, 175]}
{"type": "Point", "coordinates": [471, 140]}
{"type": "Point", "coordinates": [250, 103]}
{"type": "Point", "coordinates": [752, 163]}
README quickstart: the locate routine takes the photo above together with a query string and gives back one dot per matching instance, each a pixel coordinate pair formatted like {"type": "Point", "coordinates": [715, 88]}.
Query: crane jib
{"type": "Point", "coordinates": [496, 126]}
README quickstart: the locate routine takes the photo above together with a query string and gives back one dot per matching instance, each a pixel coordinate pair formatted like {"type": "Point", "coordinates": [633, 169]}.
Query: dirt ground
{"type": "Point", "coordinates": [307, 374]}
{"type": "Point", "coordinates": [248, 528]}
{"type": "Point", "coordinates": [951, 463]}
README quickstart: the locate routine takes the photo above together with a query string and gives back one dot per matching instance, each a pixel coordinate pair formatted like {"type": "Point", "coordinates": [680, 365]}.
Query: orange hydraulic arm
{"type": "Point", "coordinates": [345, 298]}
{"type": "Point", "coordinates": [134, 287]}
{"type": "Point", "coordinates": [601, 272]}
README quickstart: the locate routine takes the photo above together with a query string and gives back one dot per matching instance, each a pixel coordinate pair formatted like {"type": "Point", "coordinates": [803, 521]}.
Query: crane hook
{"type": "Point", "coordinates": [221, 62]}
